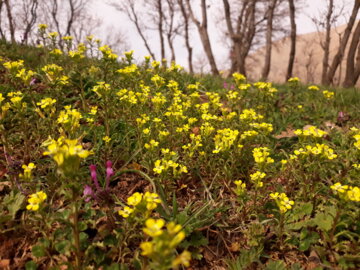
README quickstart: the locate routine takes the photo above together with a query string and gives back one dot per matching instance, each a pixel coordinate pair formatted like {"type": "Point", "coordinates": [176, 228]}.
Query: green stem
{"type": "Point", "coordinates": [76, 233]}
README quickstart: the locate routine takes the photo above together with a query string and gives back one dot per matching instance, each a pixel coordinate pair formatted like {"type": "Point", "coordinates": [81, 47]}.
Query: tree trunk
{"type": "Point", "coordinates": [186, 34]}
{"type": "Point", "coordinates": [350, 63]}
{"type": "Point", "coordinates": [340, 53]}
{"type": "Point", "coordinates": [1, 31]}
{"type": "Point", "coordinates": [204, 35]}
{"type": "Point", "coordinates": [134, 18]}
{"type": "Point", "coordinates": [326, 46]}
{"type": "Point", "coordinates": [289, 73]}
{"type": "Point", "coordinates": [269, 29]}
{"type": "Point", "coordinates": [160, 28]}
{"type": "Point", "coordinates": [11, 21]}
{"type": "Point", "coordinates": [357, 66]}
{"type": "Point", "coordinates": [31, 22]}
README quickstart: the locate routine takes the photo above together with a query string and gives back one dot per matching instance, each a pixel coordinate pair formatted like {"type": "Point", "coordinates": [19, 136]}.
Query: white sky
{"type": "Point", "coordinates": [113, 18]}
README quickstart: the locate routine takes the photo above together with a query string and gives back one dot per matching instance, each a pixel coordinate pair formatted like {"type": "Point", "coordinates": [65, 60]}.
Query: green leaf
{"type": "Point", "coordinates": [31, 265]}
{"type": "Point", "coordinates": [245, 259]}
{"type": "Point", "coordinates": [63, 246]}
{"type": "Point", "coordinates": [38, 251]}
{"type": "Point", "coordinates": [324, 221]}
{"type": "Point", "coordinates": [275, 265]}
{"type": "Point", "coordinates": [13, 202]}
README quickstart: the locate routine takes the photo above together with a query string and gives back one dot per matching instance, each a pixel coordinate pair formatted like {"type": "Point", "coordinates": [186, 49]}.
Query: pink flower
{"type": "Point", "coordinates": [88, 193]}
{"type": "Point", "coordinates": [94, 176]}
{"type": "Point", "coordinates": [109, 172]}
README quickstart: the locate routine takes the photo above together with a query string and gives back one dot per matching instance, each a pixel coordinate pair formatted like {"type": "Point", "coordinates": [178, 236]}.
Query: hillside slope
{"type": "Point", "coordinates": [308, 60]}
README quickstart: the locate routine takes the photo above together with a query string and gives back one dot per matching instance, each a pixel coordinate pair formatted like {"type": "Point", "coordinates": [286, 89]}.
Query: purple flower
{"type": "Point", "coordinates": [109, 172]}
{"type": "Point", "coordinates": [88, 193]}
{"type": "Point", "coordinates": [225, 85]}
{"type": "Point", "coordinates": [94, 176]}
{"type": "Point", "coordinates": [33, 81]}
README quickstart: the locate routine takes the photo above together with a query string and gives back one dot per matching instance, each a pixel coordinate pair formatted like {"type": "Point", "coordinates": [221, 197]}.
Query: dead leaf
{"type": "Point", "coordinates": [4, 264]}
{"type": "Point", "coordinates": [234, 247]}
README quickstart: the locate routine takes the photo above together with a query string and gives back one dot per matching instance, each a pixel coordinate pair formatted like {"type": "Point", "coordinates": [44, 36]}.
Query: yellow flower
{"type": "Point", "coordinates": [313, 88]}
{"type": "Point", "coordinates": [27, 171]}
{"type": "Point", "coordinates": [152, 200]}
{"type": "Point", "coordinates": [154, 227]}
{"type": "Point", "coordinates": [135, 199]}
{"type": "Point", "coordinates": [42, 26]}
{"type": "Point", "coordinates": [35, 200]}
{"type": "Point", "coordinates": [106, 139]}
{"type": "Point", "coordinates": [46, 102]}
{"type": "Point", "coordinates": [126, 212]}
{"type": "Point", "coordinates": [282, 201]}
{"type": "Point", "coordinates": [66, 153]}
{"type": "Point", "coordinates": [327, 94]}
{"type": "Point", "coordinates": [184, 259]}
{"type": "Point", "coordinates": [337, 187]}
{"type": "Point", "coordinates": [354, 194]}
{"type": "Point", "coordinates": [147, 248]}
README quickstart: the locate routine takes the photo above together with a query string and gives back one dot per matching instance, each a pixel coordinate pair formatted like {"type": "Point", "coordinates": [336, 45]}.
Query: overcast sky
{"type": "Point", "coordinates": [115, 19]}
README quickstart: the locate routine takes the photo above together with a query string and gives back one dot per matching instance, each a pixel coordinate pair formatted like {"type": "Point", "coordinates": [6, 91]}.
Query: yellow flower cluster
{"type": "Point", "coordinates": [25, 75]}
{"type": "Point", "coordinates": [357, 140]}
{"type": "Point", "coordinates": [240, 187]}
{"type": "Point", "coordinates": [346, 192]}
{"type": "Point", "coordinates": [311, 131]}
{"type": "Point", "coordinates": [224, 139]}
{"type": "Point", "coordinates": [35, 200]}
{"type": "Point", "coordinates": [163, 165]}
{"type": "Point", "coordinates": [266, 127]}
{"type": "Point", "coordinates": [239, 78]}
{"type": "Point", "coordinates": [27, 171]}
{"type": "Point", "coordinates": [54, 74]}
{"type": "Point", "coordinates": [250, 115]}
{"type": "Point", "coordinates": [282, 201]}
{"type": "Point", "coordinates": [127, 96]}
{"type": "Point", "coordinates": [66, 153]}
{"type": "Point", "coordinates": [261, 155]}
{"type": "Point", "coordinates": [294, 80]}
{"type": "Point", "coordinates": [328, 94]}
{"type": "Point", "coordinates": [14, 66]}
{"type": "Point", "coordinates": [107, 53]}
{"type": "Point", "coordinates": [257, 177]}
{"type": "Point", "coordinates": [248, 133]}
{"type": "Point", "coordinates": [313, 88]}
{"type": "Point", "coordinates": [151, 145]}
{"type": "Point", "coordinates": [321, 150]}
{"type": "Point", "coordinates": [16, 100]}
{"type": "Point", "coordinates": [69, 119]}
{"type": "Point", "coordinates": [161, 249]}
{"type": "Point", "coordinates": [140, 203]}
{"type": "Point", "coordinates": [132, 69]}
{"type": "Point", "coordinates": [195, 144]}
{"type": "Point", "coordinates": [102, 89]}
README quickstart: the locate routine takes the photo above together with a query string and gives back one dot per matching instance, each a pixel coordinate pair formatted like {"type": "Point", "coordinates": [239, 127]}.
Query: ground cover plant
{"type": "Point", "coordinates": [111, 164]}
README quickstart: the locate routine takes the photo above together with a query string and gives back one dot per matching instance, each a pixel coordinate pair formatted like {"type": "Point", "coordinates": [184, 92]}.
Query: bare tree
{"type": "Point", "coordinates": [204, 35]}
{"type": "Point", "coordinates": [340, 53]}
{"type": "Point", "coordinates": [357, 65]}
{"type": "Point", "coordinates": [350, 62]}
{"type": "Point", "coordinates": [2, 34]}
{"type": "Point", "coordinates": [292, 10]}
{"type": "Point", "coordinates": [269, 34]}
{"type": "Point", "coordinates": [128, 7]}
{"type": "Point", "coordinates": [326, 44]}
{"type": "Point", "coordinates": [185, 19]}
{"type": "Point", "coordinates": [243, 30]}
{"type": "Point", "coordinates": [10, 20]}
{"type": "Point", "coordinates": [30, 17]}
{"type": "Point", "coordinates": [171, 28]}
